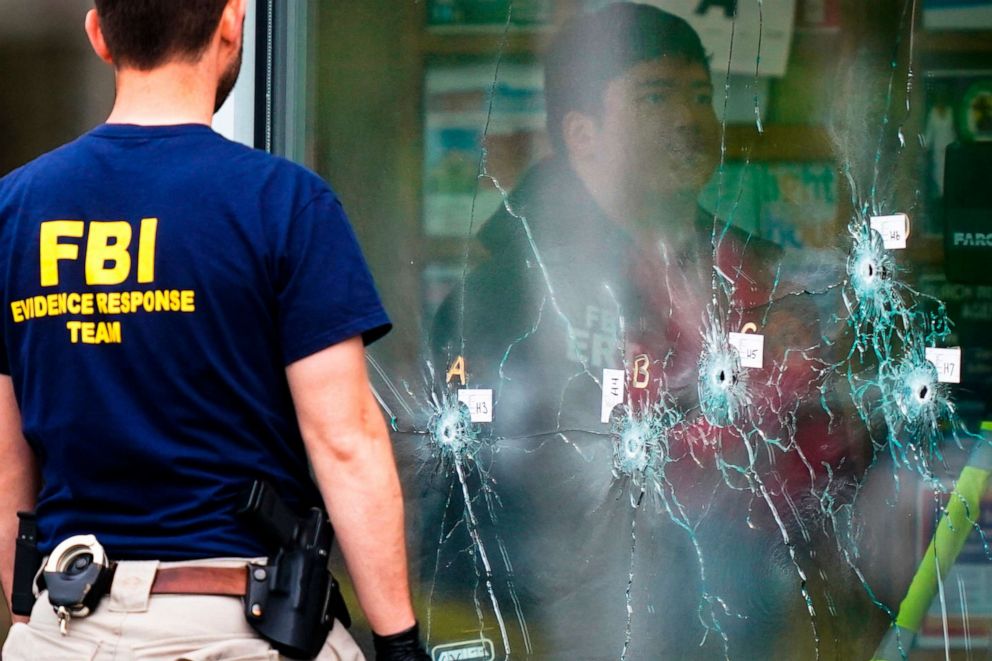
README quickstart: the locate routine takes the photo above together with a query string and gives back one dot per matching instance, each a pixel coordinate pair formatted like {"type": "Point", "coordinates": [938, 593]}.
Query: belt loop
{"type": "Point", "coordinates": [132, 585]}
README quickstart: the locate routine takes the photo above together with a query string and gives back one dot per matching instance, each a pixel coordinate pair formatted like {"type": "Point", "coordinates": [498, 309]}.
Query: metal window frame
{"type": "Point", "coordinates": [282, 99]}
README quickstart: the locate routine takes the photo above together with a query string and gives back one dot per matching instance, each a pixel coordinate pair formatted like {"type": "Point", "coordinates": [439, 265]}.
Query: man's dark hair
{"type": "Point", "coordinates": [147, 33]}
{"type": "Point", "coordinates": [593, 49]}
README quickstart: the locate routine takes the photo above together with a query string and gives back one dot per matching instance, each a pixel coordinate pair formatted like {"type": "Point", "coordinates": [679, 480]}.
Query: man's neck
{"type": "Point", "coordinates": [174, 93]}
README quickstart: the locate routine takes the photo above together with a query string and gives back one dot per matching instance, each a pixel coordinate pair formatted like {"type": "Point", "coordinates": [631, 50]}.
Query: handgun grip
{"type": "Point", "coordinates": [269, 515]}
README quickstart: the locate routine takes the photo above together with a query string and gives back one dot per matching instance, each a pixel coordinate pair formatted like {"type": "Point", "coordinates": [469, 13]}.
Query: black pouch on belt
{"type": "Point", "coordinates": [27, 562]}
{"type": "Point", "coordinates": [293, 600]}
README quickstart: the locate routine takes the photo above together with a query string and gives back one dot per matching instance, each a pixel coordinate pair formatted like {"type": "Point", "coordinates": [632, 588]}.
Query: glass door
{"type": "Point", "coordinates": [692, 353]}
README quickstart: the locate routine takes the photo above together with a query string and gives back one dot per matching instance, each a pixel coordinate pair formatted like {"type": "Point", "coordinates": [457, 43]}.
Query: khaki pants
{"type": "Point", "coordinates": [131, 624]}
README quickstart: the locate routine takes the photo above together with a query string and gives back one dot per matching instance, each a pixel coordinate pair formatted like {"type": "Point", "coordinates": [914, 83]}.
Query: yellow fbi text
{"type": "Point", "coordinates": [108, 259]}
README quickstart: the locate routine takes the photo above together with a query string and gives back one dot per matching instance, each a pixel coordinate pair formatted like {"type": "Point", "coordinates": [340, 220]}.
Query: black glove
{"type": "Point", "coordinates": [402, 646]}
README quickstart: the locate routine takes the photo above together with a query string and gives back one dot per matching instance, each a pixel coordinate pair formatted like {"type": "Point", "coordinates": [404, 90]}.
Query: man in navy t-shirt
{"type": "Point", "coordinates": [183, 315]}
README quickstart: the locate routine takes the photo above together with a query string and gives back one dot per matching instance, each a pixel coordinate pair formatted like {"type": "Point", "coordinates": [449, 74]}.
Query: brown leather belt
{"type": "Point", "coordinates": [228, 581]}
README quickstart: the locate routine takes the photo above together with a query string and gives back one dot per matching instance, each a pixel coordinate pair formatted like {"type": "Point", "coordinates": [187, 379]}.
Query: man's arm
{"type": "Point", "coordinates": [352, 458]}
{"type": "Point", "coordinates": [18, 481]}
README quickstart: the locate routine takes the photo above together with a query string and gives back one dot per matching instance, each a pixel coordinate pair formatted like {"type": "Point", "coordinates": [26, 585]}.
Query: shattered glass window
{"type": "Point", "coordinates": [692, 302]}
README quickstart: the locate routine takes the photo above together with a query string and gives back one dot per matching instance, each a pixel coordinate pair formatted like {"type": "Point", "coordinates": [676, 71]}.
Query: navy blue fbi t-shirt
{"type": "Point", "coordinates": [157, 281]}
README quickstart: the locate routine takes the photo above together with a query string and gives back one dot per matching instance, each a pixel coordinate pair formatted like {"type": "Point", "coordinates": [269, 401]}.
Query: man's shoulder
{"type": "Point", "coordinates": [243, 160]}
{"type": "Point", "coordinates": [55, 161]}
{"type": "Point", "coordinates": [278, 177]}
{"type": "Point", "coordinates": [493, 303]}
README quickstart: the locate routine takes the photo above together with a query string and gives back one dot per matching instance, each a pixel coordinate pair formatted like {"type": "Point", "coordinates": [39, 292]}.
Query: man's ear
{"type": "Point", "coordinates": [95, 34]}
{"type": "Point", "coordinates": [579, 132]}
{"type": "Point", "coordinates": [232, 21]}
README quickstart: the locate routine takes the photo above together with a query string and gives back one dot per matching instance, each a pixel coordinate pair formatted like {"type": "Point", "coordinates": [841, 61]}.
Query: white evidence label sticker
{"type": "Point", "coordinates": [479, 403]}
{"type": "Point", "coordinates": [750, 347]}
{"type": "Point", "coordinates": [947, 362]}
{"type": "Point", "coordinates": [894, 230]}
{"type": "Point", "coordinates": [613, 387]}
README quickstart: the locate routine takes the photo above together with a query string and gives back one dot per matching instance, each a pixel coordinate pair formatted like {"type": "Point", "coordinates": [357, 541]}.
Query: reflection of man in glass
{"type": "Point", "coordinates": [602, 259]}
{"type": "Point", "coordinates": [634, 122]}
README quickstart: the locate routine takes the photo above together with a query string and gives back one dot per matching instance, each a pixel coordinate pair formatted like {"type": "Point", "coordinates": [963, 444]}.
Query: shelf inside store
{"type": "Point", "coordinates": [796, 143]}
{"type": "Point", "coordinates": [955, 41]}
{"type": "Point", "coordinates": [484, 40]}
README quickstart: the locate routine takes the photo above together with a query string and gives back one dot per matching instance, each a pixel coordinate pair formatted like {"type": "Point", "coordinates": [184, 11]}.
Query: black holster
{"type": "Point", "coordinates": [27, 562]}
{"type": "Point", "coordinates": [293, 600]}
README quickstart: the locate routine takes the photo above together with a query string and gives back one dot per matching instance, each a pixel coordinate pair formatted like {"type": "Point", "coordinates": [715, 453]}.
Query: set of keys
{"type": "Point", "coordinates": [64, 616]}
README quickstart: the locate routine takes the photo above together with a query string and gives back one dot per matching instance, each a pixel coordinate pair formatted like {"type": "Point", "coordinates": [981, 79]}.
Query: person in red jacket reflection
{"type": "Point", "coordinates": [602, 259]}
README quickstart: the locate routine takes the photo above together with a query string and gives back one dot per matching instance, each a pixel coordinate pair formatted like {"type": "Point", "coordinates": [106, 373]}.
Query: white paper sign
{"type": "Point", "coordinates": [613, 386]}
{"type": "Point", "coordinates": [894, 230]}
{"type": "Point", "coordinates": [769, 22]}
{"type": "Point", "coordinates": [750, 347]}
{"type": "Point", "coordinates": [479, 403]}
{"type": "Point", "coordinates": [947, 362]}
